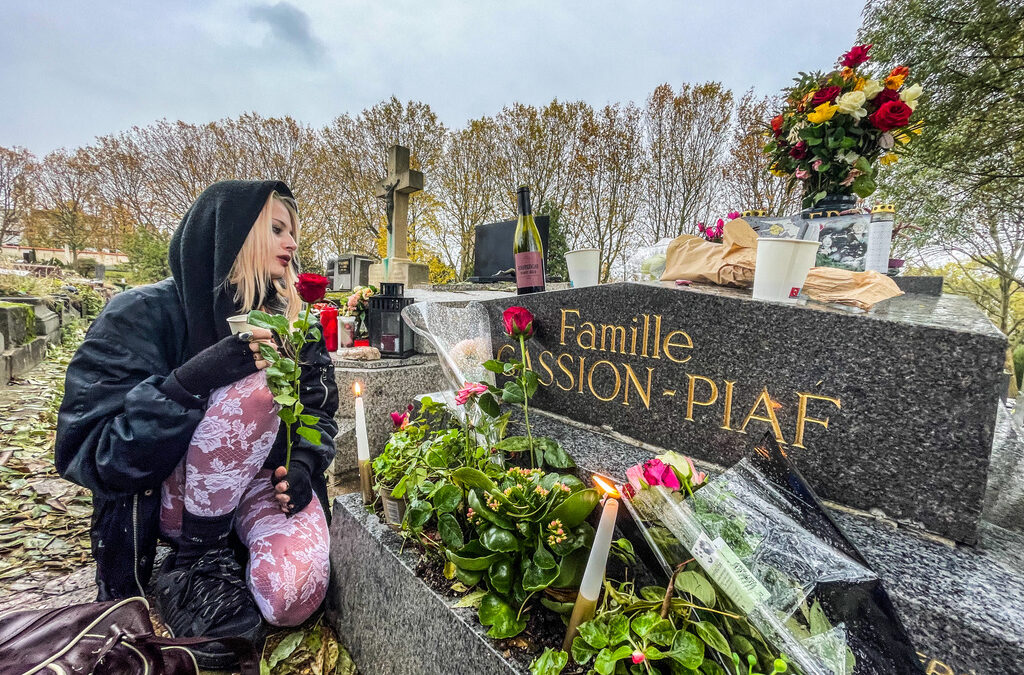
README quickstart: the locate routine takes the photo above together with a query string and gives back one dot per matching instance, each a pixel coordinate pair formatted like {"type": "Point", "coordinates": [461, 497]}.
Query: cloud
{"type": "Point", "coordinates": [291, 26]}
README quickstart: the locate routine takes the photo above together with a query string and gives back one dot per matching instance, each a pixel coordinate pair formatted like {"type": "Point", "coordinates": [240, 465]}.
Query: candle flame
{"type": "Point", "coordinates": [605, 487]}
{"type": "Point", "coordinates": [357, 388]}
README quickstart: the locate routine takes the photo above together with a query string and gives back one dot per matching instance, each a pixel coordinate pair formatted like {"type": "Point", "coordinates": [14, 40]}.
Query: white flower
{"type": "Point", "coordinates": [850, 157]}
{"type": "Point", "coordinates": [886, 141]}
{"type": "Point", "coordinates": [852, 104]}
{"type": "Point", "coordinates": [911, 94]}
{"type": "Point", "coordinates": [872, 88]}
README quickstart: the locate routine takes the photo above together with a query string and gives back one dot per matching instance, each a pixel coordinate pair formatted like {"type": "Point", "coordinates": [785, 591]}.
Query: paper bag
{"type": "Point", "coordinates": [732, 263]}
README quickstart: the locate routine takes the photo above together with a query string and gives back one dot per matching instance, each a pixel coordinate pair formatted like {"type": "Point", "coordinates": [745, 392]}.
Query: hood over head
{"type": "Point", "coordinates": [204, 248]}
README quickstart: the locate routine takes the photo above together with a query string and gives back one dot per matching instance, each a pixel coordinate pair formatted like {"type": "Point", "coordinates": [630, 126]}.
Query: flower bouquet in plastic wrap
{"type": "Point", "coordinates": [761, 536]}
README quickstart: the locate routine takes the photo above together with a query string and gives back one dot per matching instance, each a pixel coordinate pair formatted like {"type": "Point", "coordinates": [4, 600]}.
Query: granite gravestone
{"type": "Point", "coordinates": [893, 410]}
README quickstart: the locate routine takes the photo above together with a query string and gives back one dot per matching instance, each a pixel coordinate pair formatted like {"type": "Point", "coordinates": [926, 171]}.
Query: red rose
{"type": "Point", "coordinates": [855, 56]}
{"type": "Point", "coordinates": [890, 115]}
{"type": "Point", "coordinates": [311, 287]}
{"type": "Point", "coordinates": [826, 95]}
{"type": "Point", "coordinates": [777, 125]}
{"type": "Point", "coordinates": [885, 96]}
{"type": "Point", "coordinates": [518, 321]}
{"type": "Point", "coordinates": [798, 151]}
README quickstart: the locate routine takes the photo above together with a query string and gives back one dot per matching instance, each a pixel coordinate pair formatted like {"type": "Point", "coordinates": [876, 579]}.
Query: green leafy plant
{"type": "Point", "coordinates": [664, 630]}
{"type": "Point", "coordinates": [526, 534]}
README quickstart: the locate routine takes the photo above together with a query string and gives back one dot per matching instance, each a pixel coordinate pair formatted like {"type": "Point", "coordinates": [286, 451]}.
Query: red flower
{"type": "Point", "coordinates": [884, 96]}
{"type": "Point", "coordinates": [826, 95]}
{"type": "Point", "coordinates": [518, 321]}
{"type": "Point", "coordinates": [891, 115]}
{"type": "Point", "coordinates": [311, 287]}
{"type": "Point", "coordinates": [798, 151]}
{"type": "Point", "coordinates": [400, 419]}
{"type": "Point", "coordinates": [777, 125]}
{"type": "Point", "coordinates": [899, 71]}
{"type": "Point", "coordinates": [855, 56]}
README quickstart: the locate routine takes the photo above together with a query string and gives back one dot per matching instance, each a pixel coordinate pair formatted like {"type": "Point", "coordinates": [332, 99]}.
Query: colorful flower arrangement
{"type": "Point", "coordinates": [835, 126]}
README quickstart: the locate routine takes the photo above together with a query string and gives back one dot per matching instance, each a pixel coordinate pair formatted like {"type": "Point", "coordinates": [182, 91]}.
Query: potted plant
{"type": "Point", "coordinates": [835, 127]}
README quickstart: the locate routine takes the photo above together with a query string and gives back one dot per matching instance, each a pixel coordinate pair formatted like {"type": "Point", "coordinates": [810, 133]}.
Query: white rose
{"type": "Point", "coordinates": [852, 104]}
{"type": "Point", "coordinates": [871, 89]}
{"type": "Point", "coordinates": [910, 95]}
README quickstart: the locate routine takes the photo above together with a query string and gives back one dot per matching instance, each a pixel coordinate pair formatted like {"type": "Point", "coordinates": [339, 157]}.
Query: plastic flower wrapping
{"type": "Point", "coordinates": [835, 126]}
{"type": "Point", "coordinates": [760, 535]}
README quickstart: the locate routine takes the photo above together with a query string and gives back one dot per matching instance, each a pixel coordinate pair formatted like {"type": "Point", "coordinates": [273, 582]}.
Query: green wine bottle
{"type": "Point", "coordinates": [527, 249]}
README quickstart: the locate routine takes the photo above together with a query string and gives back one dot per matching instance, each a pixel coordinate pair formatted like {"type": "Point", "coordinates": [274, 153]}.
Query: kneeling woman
{"type": "Point", "coordinates": [167, 418]}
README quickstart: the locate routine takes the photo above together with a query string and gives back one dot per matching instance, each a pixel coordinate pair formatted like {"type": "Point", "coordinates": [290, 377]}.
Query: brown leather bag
{"type": "Point", "coordinates": [106, 638]}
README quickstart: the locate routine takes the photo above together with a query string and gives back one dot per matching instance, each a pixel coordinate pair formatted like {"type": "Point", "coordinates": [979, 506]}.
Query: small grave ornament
{"type": "Point", "coordinates": [389, 333]}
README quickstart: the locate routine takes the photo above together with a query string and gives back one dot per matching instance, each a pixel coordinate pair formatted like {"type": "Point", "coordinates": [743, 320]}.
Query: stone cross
{"type": "Point", "coordinates": [395, 189]}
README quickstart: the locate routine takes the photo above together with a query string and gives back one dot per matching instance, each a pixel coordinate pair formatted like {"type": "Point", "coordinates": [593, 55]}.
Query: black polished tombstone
{"type": "Point", "coordinates": [493, 259]}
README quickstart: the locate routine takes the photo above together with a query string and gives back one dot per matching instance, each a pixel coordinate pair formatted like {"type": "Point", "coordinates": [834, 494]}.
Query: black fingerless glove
{"type": "Point", "coordinates": [300, 480]}
{"type": "Point", "coordinates": [218, 365]}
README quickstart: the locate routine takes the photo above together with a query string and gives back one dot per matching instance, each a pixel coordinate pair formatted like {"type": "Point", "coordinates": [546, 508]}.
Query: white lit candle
{"type": "Point", "coordinates": [362, 447]}
{"type": "Point", "coordinates": [593, 578]}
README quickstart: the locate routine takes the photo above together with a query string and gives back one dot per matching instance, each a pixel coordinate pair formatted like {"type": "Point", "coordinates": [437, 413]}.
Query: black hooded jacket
{"type": "Point", "coordinates": [123, 424]}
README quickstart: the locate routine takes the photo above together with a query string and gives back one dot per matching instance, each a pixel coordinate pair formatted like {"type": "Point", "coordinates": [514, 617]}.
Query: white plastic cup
{"type": "Point", "coordinates": [782, 267]}
{"type": "Point", "coordinates": [584, 267]}
{"type": "Point", "coordinates": [239, 324]}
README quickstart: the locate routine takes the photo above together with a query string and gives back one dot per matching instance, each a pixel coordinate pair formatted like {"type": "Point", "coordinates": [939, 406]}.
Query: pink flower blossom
{"type": "Point", "coordinates": [700, 227]}
{"type": "Point", "coordinates": [468, 391]}
{"type": "Point", "coordinates": [638, 657]}
{"type": "Point", "coordinates": [815, 164]}
{"type": "Point", "coordinates": [400, 419]}
{"type": "Point", "coordinates": [850, 177]}
{"type": "Point", "coordinates": [635, 477]}
{"type": "Point", "coordinates": [732, 215]}
{"type": "Point", "coordinates": [802, 174]}
{"type": "Point", "coordinates": [657, 472]}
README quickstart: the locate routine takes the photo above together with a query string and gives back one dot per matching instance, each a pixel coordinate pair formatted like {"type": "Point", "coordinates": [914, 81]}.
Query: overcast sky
{"type": "Point", "coordinates": [71, 70]}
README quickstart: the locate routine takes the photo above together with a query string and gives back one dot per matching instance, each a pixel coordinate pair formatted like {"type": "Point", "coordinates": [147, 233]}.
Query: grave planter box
{"type": "Point", "coordinates": [392, 622]}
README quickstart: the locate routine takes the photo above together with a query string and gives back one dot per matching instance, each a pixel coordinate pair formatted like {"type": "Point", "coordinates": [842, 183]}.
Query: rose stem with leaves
{"type": "Point", "coordinates": [526, 400]}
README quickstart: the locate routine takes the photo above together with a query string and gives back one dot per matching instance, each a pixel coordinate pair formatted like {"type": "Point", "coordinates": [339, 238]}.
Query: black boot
{"type": "Point", "coordinates": [202, 592]}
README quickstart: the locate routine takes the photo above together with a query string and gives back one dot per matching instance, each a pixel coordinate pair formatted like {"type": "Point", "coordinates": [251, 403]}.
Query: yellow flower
{"type": "Point", "coordinates": [823, 113]}
{"type": "Point", "coordinates": [860, 82]}
{"type": "Point", "coordinates": [894, 81]}
{"type": "Point", "coordinates": [889, 158]}
{"type": "Point", "coordinates": [847, 73]}
{"type": "Point", "coordinates": [871, 88]}
{"type": "Point", "coordinates": [776, 171]}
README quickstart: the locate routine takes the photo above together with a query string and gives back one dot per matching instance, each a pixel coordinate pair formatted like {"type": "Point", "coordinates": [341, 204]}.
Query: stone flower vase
{"type": "Point", "coordinates": [394, 509]}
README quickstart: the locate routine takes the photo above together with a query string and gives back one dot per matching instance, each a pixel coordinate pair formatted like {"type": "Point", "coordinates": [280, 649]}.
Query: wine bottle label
{"type": "Point", "coordinates": [529, 269]}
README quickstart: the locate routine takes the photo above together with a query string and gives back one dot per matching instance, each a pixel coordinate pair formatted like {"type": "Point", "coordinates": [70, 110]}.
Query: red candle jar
{"type": "Point", "coordinates": [329, 324]}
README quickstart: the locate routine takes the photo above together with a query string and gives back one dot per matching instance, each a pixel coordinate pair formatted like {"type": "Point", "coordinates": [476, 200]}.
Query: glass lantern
{"type": "Point", "coordinates": [388, 331]}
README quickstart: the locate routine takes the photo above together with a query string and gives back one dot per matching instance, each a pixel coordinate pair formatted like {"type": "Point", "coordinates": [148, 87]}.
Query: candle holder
{"type": "Point", "coordinates": [389, 332]}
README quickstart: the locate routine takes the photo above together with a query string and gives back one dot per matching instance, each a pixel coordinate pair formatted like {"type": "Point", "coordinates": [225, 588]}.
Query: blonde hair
{"type": "Point", "coordinates": [250, 273]}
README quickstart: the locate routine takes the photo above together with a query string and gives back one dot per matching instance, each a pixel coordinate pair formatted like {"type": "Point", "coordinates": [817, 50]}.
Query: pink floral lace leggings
{"type": "Point", "coordinates": [220, 473]}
